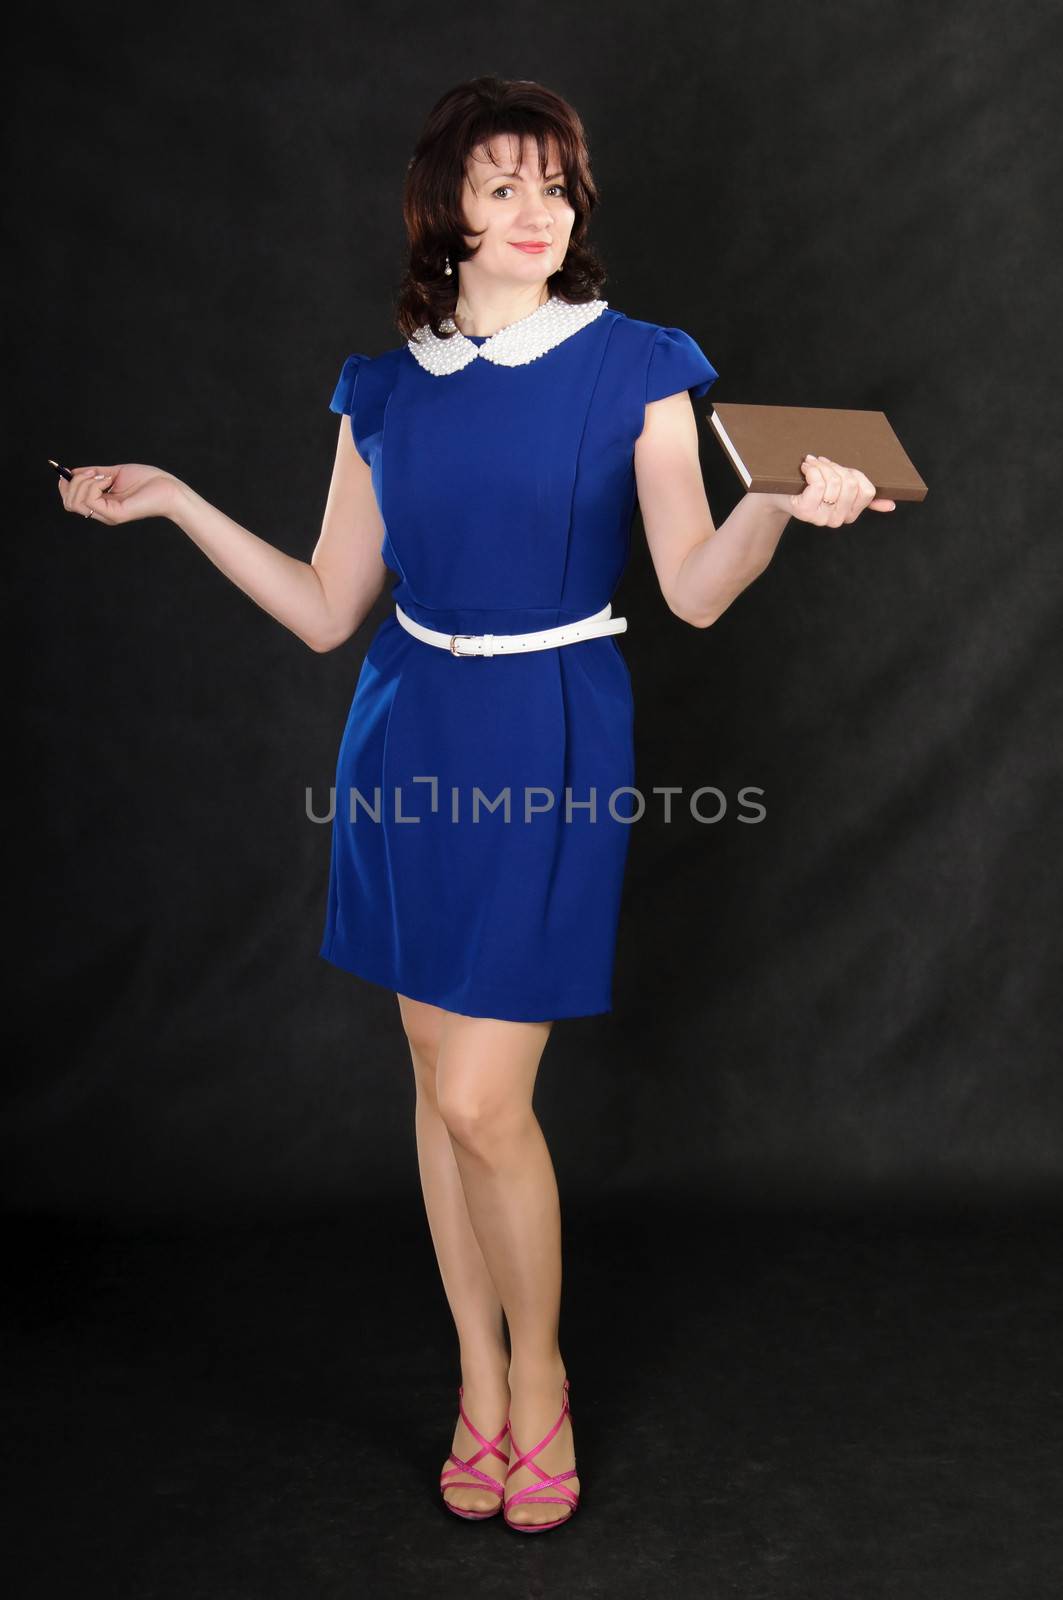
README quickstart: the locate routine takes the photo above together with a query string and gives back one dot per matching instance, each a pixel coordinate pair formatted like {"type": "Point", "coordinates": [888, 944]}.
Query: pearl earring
{"type": "Point", "coordinates": [447, 269]}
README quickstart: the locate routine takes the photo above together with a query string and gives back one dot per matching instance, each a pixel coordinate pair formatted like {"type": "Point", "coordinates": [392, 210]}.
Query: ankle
{"type": "Point", "coordinates": [484, 1367]}
{"type": "Point", "coordinates": [538, 1373]}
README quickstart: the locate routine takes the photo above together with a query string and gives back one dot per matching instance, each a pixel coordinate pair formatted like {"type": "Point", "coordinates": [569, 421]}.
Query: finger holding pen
{"type": "Point", "coordinates": [83, 481]}
{"type": "Point", "coordinates": [118, 494]}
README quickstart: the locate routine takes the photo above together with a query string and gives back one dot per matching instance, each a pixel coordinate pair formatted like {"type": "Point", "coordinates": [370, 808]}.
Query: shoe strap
{"type": "Point", "coordinates": [524, 1458]}
{"type": "Point", "coordinates": [490, 1446]}
{"type": "Point", "coordinates": [545, 1440]}
{"type": "Point", "coordinates": [446, 1479]}
{"type": "Point", "coordinates": [532, 1493]}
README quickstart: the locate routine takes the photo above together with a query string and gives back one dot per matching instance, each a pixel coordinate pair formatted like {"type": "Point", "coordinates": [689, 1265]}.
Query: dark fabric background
{"type": "Point", "coordinates": [856, 1001]}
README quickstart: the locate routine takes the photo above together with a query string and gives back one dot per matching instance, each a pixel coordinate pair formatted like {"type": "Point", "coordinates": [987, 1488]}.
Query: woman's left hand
{"type": "Point", "coordinates": [832, 495]}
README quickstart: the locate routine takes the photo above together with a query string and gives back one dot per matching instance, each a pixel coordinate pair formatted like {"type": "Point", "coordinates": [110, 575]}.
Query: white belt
{"type": "Point", "coordinates": [496, 644]}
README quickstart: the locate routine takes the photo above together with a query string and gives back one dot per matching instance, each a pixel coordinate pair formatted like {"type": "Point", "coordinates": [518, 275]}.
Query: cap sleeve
{"type": "Point", "coordinates": [677, 362]}
{"type": "Point", "coordinates": [343, 395]}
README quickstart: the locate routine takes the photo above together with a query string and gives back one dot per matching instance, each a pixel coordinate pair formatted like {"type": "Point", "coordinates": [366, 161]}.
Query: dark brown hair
{"type": "Point", "coordinates": [462, 123]}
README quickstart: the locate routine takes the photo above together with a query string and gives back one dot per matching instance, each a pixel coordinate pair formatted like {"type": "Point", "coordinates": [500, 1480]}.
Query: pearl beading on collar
{"type": "Point", "coordinates": [513, 346]}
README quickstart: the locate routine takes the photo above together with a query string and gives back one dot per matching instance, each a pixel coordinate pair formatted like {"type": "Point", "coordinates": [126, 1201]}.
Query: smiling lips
{"type": "Point", "coordinates": [532, 247]}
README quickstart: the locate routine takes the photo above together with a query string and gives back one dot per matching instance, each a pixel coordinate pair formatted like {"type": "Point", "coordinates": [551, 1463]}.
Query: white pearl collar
{"type": "Point", "coordinates": [512, 346]}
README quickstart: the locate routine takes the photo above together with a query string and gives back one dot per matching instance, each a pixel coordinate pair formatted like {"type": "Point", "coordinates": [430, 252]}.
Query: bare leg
{"type": "Point", "coordinates": [470, 1291]}
{"type": "Point", "coordinates": [485, 1078]}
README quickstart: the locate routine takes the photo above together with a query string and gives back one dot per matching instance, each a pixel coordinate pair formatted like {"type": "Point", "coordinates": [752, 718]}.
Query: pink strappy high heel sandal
{"type": "Point", "coordinates": [532, 1494]}
{"type": "Point", "coordinates": [448, 1477]}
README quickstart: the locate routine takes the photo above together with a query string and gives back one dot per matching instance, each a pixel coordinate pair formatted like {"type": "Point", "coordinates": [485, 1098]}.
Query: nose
{"type": "Point", "coordinates": [535, 214]}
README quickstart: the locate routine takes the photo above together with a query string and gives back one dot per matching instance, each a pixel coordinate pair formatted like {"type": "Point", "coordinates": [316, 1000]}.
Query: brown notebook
{"type": "Point", "coordinates": [766, 445]}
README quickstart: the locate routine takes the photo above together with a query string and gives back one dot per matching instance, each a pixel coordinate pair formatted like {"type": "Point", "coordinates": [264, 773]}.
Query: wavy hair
{"type": "Point", "coordinates": [463, 121]}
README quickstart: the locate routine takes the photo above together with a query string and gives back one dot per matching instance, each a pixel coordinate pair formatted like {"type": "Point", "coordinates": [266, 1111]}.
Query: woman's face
{"type": "Point", "coordinates": [515, 210]}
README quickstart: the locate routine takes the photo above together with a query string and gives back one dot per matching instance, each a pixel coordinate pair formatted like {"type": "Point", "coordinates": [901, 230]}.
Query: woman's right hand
{"type": "Point", "coordinates": [115, 495]}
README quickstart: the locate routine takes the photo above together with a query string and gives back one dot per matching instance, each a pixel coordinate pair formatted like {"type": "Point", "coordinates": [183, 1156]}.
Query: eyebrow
{"type": "Point", "coordinates": [548, 179]}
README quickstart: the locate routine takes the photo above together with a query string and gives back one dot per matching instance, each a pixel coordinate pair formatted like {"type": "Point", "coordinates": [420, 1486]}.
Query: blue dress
{"type": "Point", "coordinates": [507, 493]}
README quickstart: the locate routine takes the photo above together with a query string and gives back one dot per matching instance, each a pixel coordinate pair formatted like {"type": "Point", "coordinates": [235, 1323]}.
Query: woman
{"type": "Point", "coordinates": [490, 464]}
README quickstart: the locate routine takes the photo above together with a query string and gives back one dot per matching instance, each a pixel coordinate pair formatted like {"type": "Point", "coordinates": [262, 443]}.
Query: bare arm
{"type": "Point", "coordinates": [701, 569]}
{"type": "Point", "coordinates": [322, 601]}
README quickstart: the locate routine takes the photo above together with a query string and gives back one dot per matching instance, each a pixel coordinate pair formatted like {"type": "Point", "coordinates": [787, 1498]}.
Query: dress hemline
{"type": "Point", "coordinates": [500, 1007]}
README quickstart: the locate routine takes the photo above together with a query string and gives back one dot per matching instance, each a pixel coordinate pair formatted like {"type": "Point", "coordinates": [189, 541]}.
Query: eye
{"type": "Point", "coordinates": [502, 186]}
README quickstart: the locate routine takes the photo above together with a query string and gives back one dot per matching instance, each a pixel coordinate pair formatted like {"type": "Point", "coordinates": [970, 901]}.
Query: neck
{"type": "Point", "coordinates": [485, 309]}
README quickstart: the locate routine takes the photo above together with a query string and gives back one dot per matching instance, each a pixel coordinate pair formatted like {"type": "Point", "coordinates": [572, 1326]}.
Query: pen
{"type": "Point", "coordinates": [64, 472]}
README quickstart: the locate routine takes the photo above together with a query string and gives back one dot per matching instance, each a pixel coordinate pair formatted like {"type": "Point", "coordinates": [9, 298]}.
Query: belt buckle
{"type": "Point", "coordinates": [461, 636]}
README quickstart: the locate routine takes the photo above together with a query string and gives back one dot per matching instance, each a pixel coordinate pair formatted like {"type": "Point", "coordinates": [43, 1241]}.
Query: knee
{"type": "Point", "coordinates": [479, 1122]}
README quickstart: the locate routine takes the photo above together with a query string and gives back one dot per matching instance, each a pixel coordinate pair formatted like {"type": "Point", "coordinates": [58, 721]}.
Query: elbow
{"type": "Point", "coordinates": [695, 619]}
{"type": "Point", "coordinates": [332, 633]}
{"type": "Point", "coordinates": [321, 644]}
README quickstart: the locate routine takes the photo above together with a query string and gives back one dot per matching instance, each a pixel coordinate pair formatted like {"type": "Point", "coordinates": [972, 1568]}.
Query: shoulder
{"type": "Point", "coordinates": [362, 374]}
{"type": "Point", "coordinates": [359, 362]}
{"type": "Point", "coordinates": [661, 356]}
{"type": "Point", "coordinates": [362, 391]}
{"type": "Point", "coordinates": [649, 336]}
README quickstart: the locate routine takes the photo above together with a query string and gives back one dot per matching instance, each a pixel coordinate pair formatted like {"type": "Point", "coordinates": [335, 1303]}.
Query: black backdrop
{"type": "Point", "coordinates": [855, 1000]}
